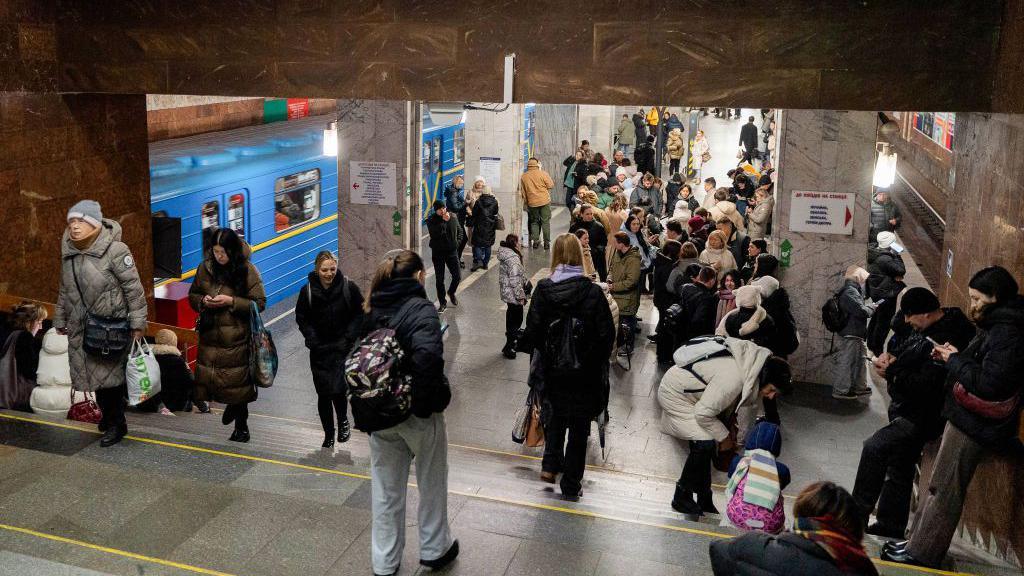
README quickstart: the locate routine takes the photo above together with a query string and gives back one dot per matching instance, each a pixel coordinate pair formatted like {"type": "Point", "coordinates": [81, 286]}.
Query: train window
{"type": "Point", "coordinates": [296, 199]}
{"type": "Point", "coordinates": [210, 215]}
{"type": "Point", "coordinates": [426, 158]}
{"type": "Point", "coordinates": [236, 214]}
{"type": "Point", "coordinates": [459, 154]}
{"type": "Point", "coordinates": [435, 155]}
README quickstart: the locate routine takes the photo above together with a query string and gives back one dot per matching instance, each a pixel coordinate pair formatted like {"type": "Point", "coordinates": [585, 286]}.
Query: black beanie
{"type": "Point", "coordinates": [918, 300]}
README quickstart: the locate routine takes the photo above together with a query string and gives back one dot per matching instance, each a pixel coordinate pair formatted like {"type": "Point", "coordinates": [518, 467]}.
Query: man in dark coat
{"type": "Point", "coordinates": [885, 282]}
{"type": "Point", "coordinates": [748, 139]}
{"type": "Point", "coordinates": [445, 239]}
{"type": "Point", "coordinates": [885, 475]}
{"type": "Point", "coordinates": [643, 156]}
{"type": "Point", "coordinates": [640, 126]}
{"type": "Point", "coordinates": [485, 223]}
{"type": "Point", "coordinates": [455, 201]}
{"type": "Point", "coordinates": [700, 304]}
{"type": "Point", "coordinates": [885, 215]}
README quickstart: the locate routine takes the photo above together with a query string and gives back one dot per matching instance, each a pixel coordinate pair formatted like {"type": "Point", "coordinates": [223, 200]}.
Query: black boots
{"type": "Point", "coordinates": [683, 502]}
{"type": "Point", "coordinates": [328, 439]}
{"type": "Point", "coordinates": [240, 435]}
{"type": "Point", "coordinates": [707, 503]}
{"type": "Point", "coordinates": [113, 435]}
{"type": "Point", "coordinates": [445, 560]}
{"type": "Point", "coordinates": [229, 414]}
{"type": "Point", "coordinates": [344, 432]}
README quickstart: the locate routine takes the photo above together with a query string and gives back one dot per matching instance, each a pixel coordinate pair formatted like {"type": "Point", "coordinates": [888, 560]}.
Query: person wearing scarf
{"type": "Point", "coordinates": [717, 255]}
{"type": "Point", "coordinates": [826, 541]}
{"type": "Point", "coordinates": [756, 482]}
{"type": "Point", "coordinates": [726, 295]}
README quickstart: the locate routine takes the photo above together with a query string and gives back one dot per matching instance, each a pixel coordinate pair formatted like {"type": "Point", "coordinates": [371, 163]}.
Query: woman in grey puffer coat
{"type": "Point", "coordinates": [91, 249]}
{"type": "Point", "coordinates": [512, 283]}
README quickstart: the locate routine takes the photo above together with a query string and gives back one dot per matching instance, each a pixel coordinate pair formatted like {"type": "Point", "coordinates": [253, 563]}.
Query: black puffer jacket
{"type": "Point", "coordinates": [485, 220]}
{"type": "Point", "coordinates": [883, 273]}
{"type": "Point", "coordinates": [444, 236]}
{"type": "Point", "coordinates": [402, 305]}
{"type": "Point", "coordinates": [760, 554]}
{"type": "Point", "coordinates": [663, 295]}
{"type": "Point", "coordinates": [881, 214]}
{"type": "Point", "coordinates": [990, 368]}
{"type": "Point", "coordinates": [586, 395]}
{"type": "Point", "coordinates": [330, 320]}
{"type": "Point", "coordinates": [916, 382]}
{"type": "Point", "coordinates": [700, 305]}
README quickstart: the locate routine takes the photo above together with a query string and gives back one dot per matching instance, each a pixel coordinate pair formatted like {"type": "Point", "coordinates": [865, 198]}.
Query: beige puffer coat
{"type": "Point", "coordinates": [691, 411]}
{"type": "Point", "coordinates": [222, 366]}
{"type": "Point", "coordinates": [675, 144]}
{"type": "Point", "coordinates": [759, 217]}
{"type": "Point", "coordinates": [111, 287]}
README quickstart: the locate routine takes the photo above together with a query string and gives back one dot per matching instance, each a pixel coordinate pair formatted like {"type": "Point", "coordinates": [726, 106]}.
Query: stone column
{"type": "Point", "coordinates": [597, 124]}
{"type": "Point", "coordinates": [822, 151]}
{"type": "Point", "coordinates": [498, 135]}
{"type": "Point", "coordinates": [376, 131]}
{"type": "Point", "coordinates": [556, 129]}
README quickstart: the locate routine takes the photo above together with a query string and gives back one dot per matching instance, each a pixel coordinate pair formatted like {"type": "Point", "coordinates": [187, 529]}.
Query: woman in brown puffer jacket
{"type": "Point", "coordinates": [225, 284]}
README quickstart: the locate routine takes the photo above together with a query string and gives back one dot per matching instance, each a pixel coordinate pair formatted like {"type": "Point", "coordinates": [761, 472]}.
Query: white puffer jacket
{"type": "Point", "coordinates": [691, 412]}
{"type": "Point", "coordinates": [52, 395]}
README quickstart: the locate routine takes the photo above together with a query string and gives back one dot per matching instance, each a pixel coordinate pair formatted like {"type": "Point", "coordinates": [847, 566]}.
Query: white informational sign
{"type": "Point", "coordinates": [949, 263]}
{"type": "Point", "coordinates": [373, 183]}
{"type": "Point", "coordinates": [490, 169]}
{"type": "Point", "coordinates": [821, 212]}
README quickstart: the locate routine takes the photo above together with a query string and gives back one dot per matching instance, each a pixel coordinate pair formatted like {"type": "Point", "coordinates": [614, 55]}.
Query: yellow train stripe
{"type": "Point", "coordinates": [114, 551]}
{"type": "Point", "coordinates": [454, 169]}
{"type": "Point", "coordinates": [520, 503]}
{"type": "Point", "coordinates": [262, 245]}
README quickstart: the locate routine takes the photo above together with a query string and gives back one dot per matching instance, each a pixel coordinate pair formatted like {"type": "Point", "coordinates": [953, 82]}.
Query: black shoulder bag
{"type": "Point", "coordinates": [104, 336]}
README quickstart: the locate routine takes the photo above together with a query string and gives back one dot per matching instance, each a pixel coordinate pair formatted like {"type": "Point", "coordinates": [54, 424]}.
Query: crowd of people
{"type": "Point", "coordinates": [723, 333]}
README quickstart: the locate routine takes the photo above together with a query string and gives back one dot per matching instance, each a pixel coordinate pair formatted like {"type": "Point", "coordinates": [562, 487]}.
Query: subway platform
{"type": "Point", "coordinates": [177, 498]}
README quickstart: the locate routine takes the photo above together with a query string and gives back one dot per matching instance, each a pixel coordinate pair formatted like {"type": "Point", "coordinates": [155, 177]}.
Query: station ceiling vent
{"type": "Point", "coordinates": [443, 113]}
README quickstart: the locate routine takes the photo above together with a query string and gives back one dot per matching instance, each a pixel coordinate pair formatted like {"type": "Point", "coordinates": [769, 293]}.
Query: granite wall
{"type": "Point", "coordinates": [54, 151]}
{"type": "Point", "coordinates": [554, 142]}
{"type": "Point", "coordinates": [693, 52]}
{"type": "Point", "coordinates": [376, 131]}
{"type": "Point", "coordinates": [822, 151]}
{"type": "Point", "coordinates": [498, 135]}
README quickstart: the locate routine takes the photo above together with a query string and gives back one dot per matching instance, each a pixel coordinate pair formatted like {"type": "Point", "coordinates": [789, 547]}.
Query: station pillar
{"type": "Point", "coordinates": [821, 151]}
{"type": "Point", "coordinates": [494, 149]}
{"type": "Point", "coordinates": [371, 132]}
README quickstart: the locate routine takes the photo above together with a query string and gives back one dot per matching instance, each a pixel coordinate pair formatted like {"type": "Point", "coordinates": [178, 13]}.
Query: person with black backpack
{"type": "Point", "coordinates": [329, 312]}
{"type": "Point", "coordinates": [848, 380]}
{"type": "Point", "coordinates": [569, 335]}
{"type": "Point", "coordinates": [399, 393]}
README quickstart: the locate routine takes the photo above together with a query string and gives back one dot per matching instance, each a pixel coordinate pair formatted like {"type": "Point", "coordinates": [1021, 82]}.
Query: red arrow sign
{"type": "Point", "coordinates": [849, 217]}
{"type": "Point", "coordinates": [356, 185]}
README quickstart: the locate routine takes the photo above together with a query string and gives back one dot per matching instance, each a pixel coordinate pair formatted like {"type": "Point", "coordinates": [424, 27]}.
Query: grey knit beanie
{"type": "Point", "coordinates": [88, 210]}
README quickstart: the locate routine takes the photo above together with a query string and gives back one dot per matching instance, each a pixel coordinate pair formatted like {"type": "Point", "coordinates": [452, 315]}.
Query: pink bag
{"type": "Point", "coordinates": [751, 517]}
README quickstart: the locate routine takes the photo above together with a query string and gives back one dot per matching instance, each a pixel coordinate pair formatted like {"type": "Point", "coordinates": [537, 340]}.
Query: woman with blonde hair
{"type": "Point", "coordinates": [398, 301]}
{"type": "Point", "coordinates": [617, 213]}
{"type": "Point", "coordinates": [717, 254]}
{"type": "Point", "coordinates": [568, 304]}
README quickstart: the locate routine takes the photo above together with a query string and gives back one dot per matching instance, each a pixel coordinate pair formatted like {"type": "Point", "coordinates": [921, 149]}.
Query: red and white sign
{"type": "Point", "coordinates": [298, 108]}
{"type": "Point", "coordinates": [821, 212]}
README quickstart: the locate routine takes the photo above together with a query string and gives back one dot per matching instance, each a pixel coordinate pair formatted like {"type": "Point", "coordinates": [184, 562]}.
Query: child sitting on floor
{"type": "Point", "coordinates": [756, 481]}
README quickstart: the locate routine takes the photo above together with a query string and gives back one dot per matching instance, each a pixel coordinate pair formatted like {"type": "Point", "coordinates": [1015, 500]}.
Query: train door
{"type": "Point", "coordinates": [226, 211]}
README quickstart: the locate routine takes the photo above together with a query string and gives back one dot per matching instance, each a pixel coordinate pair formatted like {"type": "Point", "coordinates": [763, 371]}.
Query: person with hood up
{"type": "Point", "coordinates": [916, 382]}
{"type": "Point", "coordinates": [675, 150]}
{"type": "Point", "coordinates": [827, 540]}
{"type": "Point", "coordinates": [99, 277]}
{"type": "Point", "coordinates": [225, 286]}
{"type": "Point", "coordinates": [885, 281]}
{"type": "Point", "coordinates": [775, 301]}
{"type": "Point", "coordinates": [597, 235]}
{"type": "Point", "coordinates": [398, 301]}
{"type": "Point", "coordinates": [760, 218]}
{"type": "Point", "coordinates": [625, 135]}
{"type": "Point", "coordinates": [748, 320]}
{"type": "Point", "coordinates": [329, 312]}
{"type": "Point", "coordinates": [756, 482]}
{"type": "Point", "coordinates": [717, 254]}
{"type": "Point", "coordinates": [695, 397]}
{"type": "Point", "coordinates": [575, 396]}
{"type": "Point", "coordinates": [455, 202]}
{"type": "Point", "coordinates": [724, 208]}
{"type": "Point", "coordinates": [512, 283]}
{"type": "Point", "coordinates": [535, 185]}
{"type": "Point", "coordinates": [445, 239]}
{"type": "Point", "coordinates": [623, 178]}
{"type": "Point", "coordinates": [485, 224]}
{"type": "Point", "coordinates": [848, 380]}
{"type": "Point", "coordinates": [982, 411]}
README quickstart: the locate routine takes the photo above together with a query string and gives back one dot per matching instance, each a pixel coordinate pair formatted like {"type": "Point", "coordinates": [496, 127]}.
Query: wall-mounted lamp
{"type": "Point", "coordinates": [885, 166]}
{"type": "Point", "coordinates": [331, 139]}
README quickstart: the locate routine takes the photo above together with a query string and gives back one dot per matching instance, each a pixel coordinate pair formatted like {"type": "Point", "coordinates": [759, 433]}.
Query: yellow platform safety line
{"type": "Point", "coordinates": [113, 551]}
{"type": "Point", "coordinates": [262, 245]}
{"type": "Point", "coordinates": [520, 503]}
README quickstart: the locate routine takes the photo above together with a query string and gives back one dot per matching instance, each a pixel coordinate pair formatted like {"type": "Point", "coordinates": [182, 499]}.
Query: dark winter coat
{"type": "Point", "coordinates": [738, 245]}
{"type": "Point", "coordinates": [111, 287]}
{"type": "Point", "coordinates": [643, 157]}
{"type": "Point", "coordinates": [746, 193]}
{"type": "Point", "coordinates": [738, 325]}
{"type": "Point", "coordinates": [916, 382]}
{"type": "Point", "coordinates": [884, 271]}
{"type": "Point", "coordinates": [647, 198]}
{"type": "Point", "coordinates": [596, 231]}
{"type": "Point", "coordinates": [881, 320]}
{"type": "Point", "coordinates": [775, 301]}
{"type": "Point", "coordinates": [586, 394]}
{"type": "Point", "coordinates": [761, 554]}
{"type": "Point", "coordinates": [177, 385]}
{"type": "Point", "coordinates": [851, 301]}
{"type": "Point", "coordinates": [403, 306]}
{"type": "Point", "coordinates": [663, 296]}
{"type": "Point", "coordinates": [485, 220]}
{"type": "Point", "coordinates": [455, 199]}
{"type": "Point", "coordinates": [639, 128]}
{"type": "Point", "coordinates": [444, 236]}
{"type": "Point", "coordinates": [881, 214]}
{"type": "Point", "coordinates": [672, 196]}
{"type": "Point", "coordinates": [16, 393]}
{"type": "Point", "coordinates": [330, 319]}
{"type": "Point", "coordinates": [990, 368]}
{"type": "Point", "coordinates": [222, 364]}
{"type": "Point", "coordinates": [26, 350]}
{"type": "Point", "coordinates": [700, 305]}
{"type": "Point", "coordinates": [748, 136]}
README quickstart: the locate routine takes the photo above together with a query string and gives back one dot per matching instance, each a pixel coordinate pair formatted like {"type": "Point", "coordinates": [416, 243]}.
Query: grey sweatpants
{"type": "Point", "coordinates": [424, 440]}
{"type": "Point", "coordinates": [943, 502]}
{"type": "Point", "coordinates": [848, 365]}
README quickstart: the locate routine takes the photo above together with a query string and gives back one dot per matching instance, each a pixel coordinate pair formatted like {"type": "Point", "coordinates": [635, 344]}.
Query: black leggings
{"type": "Point", "coordinates": [241, 413]}
{"type": "Point", "coordinates": [327, 405]}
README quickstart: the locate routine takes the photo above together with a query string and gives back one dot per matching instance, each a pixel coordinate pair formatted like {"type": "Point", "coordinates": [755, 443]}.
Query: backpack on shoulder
{"type": "Point", "coordinates": [564, 345]}
{"type": "Point", "coordinates": [380, 389]}
{"type": "Point", "coordinates": [832, 314]}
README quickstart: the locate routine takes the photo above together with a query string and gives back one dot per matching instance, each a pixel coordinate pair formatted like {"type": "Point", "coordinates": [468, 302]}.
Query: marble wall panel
{"type": "Point", "coordinates": [555, 140]}
{"type": "Point", "coordinates": [827, 151]}
{"type": "Point", "coordinates": [498, 135]}
{"type": "Point", "coordinates": [597, 125]}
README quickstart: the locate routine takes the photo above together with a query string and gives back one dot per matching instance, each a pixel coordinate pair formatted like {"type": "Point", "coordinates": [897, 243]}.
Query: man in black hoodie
{"type": "Point", "coordinates": [916, 382]}
{"type": "Point", "coordinates": [982, 412]}
{"type": "Point", "coordinates": [445, 239]}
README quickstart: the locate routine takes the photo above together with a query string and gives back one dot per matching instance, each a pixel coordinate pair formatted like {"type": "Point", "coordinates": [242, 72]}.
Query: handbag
{"type": "Point", "coordinates": [705, 157]}
{"type": "Point", "coordinates": [499, 222]}
{"type": "Point", "coordinates": [263, 353]}
{"type": "Point", "coordinates": [994, 410]}
{"type": "Point", "coordinates": [534, 430]}
{"type": "Point", "coordinates": [723, 458]}
{"type": "Point", "coordinates": [103, 335]}
{"type": "Point", "coordinates": [85, 411]}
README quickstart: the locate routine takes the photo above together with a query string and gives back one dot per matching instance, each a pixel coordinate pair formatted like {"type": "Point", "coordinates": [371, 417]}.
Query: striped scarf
{"type": "Point", "coordinates": [848, 554]}
{"type": "Point", "coordinates": [762, 474]}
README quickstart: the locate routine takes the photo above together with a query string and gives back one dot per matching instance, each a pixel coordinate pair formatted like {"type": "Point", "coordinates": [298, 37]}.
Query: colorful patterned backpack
{"type": "Point", "coordinates": [379, 389]}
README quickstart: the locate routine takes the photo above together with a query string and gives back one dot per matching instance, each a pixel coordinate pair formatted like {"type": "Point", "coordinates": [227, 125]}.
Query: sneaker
{"type": "Point", "coordinates": [846, 396]}
{"type": "Point", "coordinates": [444, 560]}
{"type": "Point", "coordinates": [165, 412]}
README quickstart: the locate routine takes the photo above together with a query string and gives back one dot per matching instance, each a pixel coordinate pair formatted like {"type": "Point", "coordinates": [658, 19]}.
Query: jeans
{"type": "Point", "coordinates": [540, 220]}
{"type": "Point", "coordinates": [423, 441]}
{"type": "Point", "coordinates": [327, 405]}
{"type": "Point", "coordinates": [848, 375]}
{"type": "Point", "coordinates": [440, 262]}
{"type": "Point", "coordinates": [569, 202]}
{"type": "Point", "coordinates": [673, 165]}
{"type": "Point", "coordinates": [112, 402]}
{"type": "Point", "coordinates": [513, 320]}
{"type": "Point", "coordinates": [626, 149]}
{"type": "Point", "coordinates": [482, 255]}
{"type": "Point", "coordinates": [741, 206]}
{"type": "Point", "coordinates": [885, 474]}
{"type": "Point", "coordinates": [569, 459]}
{"type": "Point", "coordinates": [696, 476]}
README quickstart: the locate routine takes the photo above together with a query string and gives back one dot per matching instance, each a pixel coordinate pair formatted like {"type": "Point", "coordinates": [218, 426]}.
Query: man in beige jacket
{"type": "Point", "coordinates": [535, 186]}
